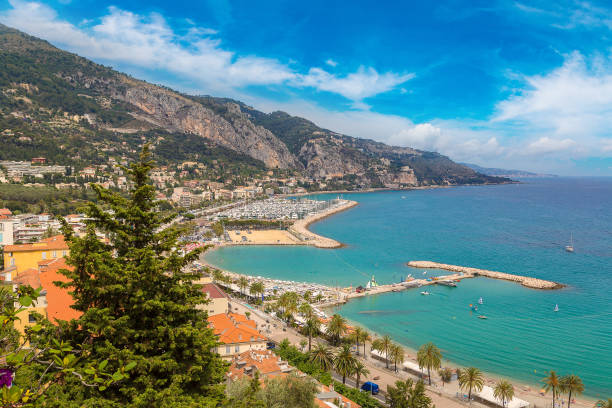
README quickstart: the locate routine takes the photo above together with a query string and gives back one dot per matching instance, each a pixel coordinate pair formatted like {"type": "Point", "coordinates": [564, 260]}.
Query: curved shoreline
{"type": "Point", "coordinates": [301, 231]}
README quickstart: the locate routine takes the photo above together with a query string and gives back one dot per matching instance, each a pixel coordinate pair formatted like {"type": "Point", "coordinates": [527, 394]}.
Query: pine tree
{"type": "Point", "coordinates": [139, 305]}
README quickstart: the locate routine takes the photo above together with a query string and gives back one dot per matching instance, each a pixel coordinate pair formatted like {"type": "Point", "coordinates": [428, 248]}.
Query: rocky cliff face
{"type": "Point", "coordinates": [324, 159]}
{"type": "Point", "coordinates": [177, 113]}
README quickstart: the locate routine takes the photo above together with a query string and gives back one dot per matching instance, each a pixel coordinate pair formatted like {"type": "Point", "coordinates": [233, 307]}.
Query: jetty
{"type": "Point", "coordinates": [307, 237]}
{"type": "Point", "coordinates": [468, 272]}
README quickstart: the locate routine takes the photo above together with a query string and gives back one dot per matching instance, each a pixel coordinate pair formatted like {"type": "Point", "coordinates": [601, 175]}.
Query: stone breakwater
{"type": "Point", "coordinates": [300, 227]}
{"type": "Point", "coordinates": [533, 283]}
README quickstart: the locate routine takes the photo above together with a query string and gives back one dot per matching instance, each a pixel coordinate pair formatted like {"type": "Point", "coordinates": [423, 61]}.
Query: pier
{"type": "Point", "coordinates": [533, 283]}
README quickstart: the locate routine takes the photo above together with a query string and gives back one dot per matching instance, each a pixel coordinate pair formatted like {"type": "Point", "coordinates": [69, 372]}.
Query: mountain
{"type": "Point", "coordinates": [75, 112]}
{"type": "Point", "coordinates": [491, 171]}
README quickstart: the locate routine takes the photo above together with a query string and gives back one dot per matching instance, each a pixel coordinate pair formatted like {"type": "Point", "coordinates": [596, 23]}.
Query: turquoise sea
{"type": "Point", "coordinates": [518, 228]}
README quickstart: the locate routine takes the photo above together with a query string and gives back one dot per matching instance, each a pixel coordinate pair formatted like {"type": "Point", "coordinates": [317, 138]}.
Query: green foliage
{"type": "Point", "coordinates": [407, 394]}
{"type": "Point", "coordinates": [303, 362]}
{"type": "Point", "coordinates": [139, 305]}
{"type": "Point", "coordinates": [38, 362]}
{"type": "Point", "coordinates": [430, 357]}
{"type": "Point", "coordinates": [290, 391]}
{"type": "Point", "coordinates": [362, 398]}
{"type": "Point", "coordinates": [17, 197]}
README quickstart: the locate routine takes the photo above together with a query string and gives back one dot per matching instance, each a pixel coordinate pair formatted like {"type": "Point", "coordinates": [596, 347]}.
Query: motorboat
{"type": "Point", "coordinates": [425, 293]}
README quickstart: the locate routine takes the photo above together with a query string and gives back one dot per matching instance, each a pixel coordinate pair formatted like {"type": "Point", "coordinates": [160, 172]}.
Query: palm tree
{"type": "Point", "coordinates": [322, 356]}
{"type": "Point", "coordinates": [336, 328]}
{"type": "Point", "coordinates": [307, 296]}
{"type": "Point", "coordinates": [311, 328]}
{"type": "Point", "coordinates": [429, 356]}
{"type": "Point", "coordinates": [572, 384]}
{"type": "Point", "coordinates": [356, 337]}
{"type": "Point", "coordinates": [364, 337]}
{"type": "Point", "coordinates": [319, 297]}
{"type": "Point", "coordinates": [604, 404]}
{"type": "Point", "coordinates": [503, 391]}
{"type": "Point", "coordinates": [360, 370]}
{"type": "Point", "coordinates": [552, 382]}
{"type": "Point", "coordinates": [305, 310]}
{"type": "Point", "coordinates": [302, 344]}
{"type": "Point", "coordinates": [383, 344]}
{"type": "Point", "coordinates": [407, 394]}
{"type": "Point", "coordinates": [243, 283]}
{"type": "Point", "coordinates": [257, 288]}
{"type": "Point", "coordinates": [344, 362]}
{"type": "Point", "coordinates": [445, 375]}
{"type": "Point", "coordinates": [471, 378]}
{"type": "Point", "coordinates": [397, 354]}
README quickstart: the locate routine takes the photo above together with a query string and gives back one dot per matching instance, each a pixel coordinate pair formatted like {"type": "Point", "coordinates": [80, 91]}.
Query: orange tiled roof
{"type": "Point", "coordinates": [231, 331]}
{"type": "Point", "coordinates": [56, 242]}
{"type": "Point", "coordinates": [266, 362]}
{"type": "Point", "coordinates": [238, 318]}
{"type": "Point", "coordinates": [5, 211]}
{"type": "Point", "coordinates": [58, 299]}
{"type": "Point", "coordinates": [28, 277]}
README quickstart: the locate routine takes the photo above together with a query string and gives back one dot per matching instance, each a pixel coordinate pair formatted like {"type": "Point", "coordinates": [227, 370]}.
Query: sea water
{"type": "Point", "coordinates": [518, 228]}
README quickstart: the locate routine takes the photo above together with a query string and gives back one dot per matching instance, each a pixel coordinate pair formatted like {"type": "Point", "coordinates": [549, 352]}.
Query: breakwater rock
{"type": "Point", "coordinates": [526, 281]}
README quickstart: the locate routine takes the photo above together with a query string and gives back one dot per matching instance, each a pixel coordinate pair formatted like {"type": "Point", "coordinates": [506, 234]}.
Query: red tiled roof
{"type": "Point", "coordinates": [5, 211]}
{"type": "Point", "coordinates": [56, 242]}
{"type": "Point", "coordinates": [213, 291]}
{"type": "Point", "coordinates": [58, 299]}
{"type": "Point", "coordinates": [28, 277]}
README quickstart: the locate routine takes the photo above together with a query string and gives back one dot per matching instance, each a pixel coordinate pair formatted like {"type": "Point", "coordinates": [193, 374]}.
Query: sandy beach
{"type": "Point", "coordinates": [263, 237]}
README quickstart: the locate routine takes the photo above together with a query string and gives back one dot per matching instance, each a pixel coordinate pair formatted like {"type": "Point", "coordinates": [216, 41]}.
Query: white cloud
{"type": "Point", "coordinates": [150, 43]}
{"type": "Point", "coordinates": [571, 14]}
{"type": "Point", "coordinates": [331, 63]}
{"type": "Point", "coordinates": [364, 83]}
{"type": "Point", "coordinates": [546, 145]}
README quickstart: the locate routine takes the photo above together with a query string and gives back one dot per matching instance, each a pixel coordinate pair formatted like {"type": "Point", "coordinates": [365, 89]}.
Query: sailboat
{"type": "Point", "coordinates": [480, 301]}
{"type": "Point", "coordinates": [556, 308]}
{"type": "Point", "coordinates": [570, 247]}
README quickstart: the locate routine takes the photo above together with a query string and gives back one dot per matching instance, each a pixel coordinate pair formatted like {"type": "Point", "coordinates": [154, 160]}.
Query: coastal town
{"type": "Point", "coordinates": [228, 204]}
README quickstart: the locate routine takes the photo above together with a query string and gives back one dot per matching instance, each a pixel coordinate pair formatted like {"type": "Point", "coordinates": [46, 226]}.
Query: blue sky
{"type": "Point", "coordinates": [510, 84]}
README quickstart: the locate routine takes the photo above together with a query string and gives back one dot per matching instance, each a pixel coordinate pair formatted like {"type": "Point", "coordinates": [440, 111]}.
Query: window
{"type": "Point", "coordinates": [44, 255]}
{"type": "Point", "coordinates": [1, 235]}
{"type": "Point", "coordinates": [55, 254]}
{"type": "Point", "coordinates": [31, 319]}
{"type": "Point", "coordinates": [64, 253]}
{"type": "Point", "coordinates": [228, 349]}
{"type": "Point", "coordinates": [237, 349]}
{"type": "Point", "coordinates": [12, 261]}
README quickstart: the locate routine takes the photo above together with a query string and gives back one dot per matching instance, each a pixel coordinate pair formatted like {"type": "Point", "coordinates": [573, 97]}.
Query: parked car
{"type": "Point", "coordinates": [370, 387]}
{"type": "Point", "coordinates": [270, 345]}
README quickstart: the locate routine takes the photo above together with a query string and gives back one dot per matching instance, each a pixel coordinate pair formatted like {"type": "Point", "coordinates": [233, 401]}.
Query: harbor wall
{"type": "Point", "coordinates": [526, 281]}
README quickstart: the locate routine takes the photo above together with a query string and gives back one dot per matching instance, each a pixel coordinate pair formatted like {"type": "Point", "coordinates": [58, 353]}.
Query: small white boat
{"type": "Point", "coordinates": [556, 309]}
{"type": "Point", "coordinates": [482, 317]}
{"type": "Point", "coordinates": [480, 301]}
{"type": "Point", "coordinates": [425, 293]}
{"type": "Point", "coordinates": [570, 247]}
